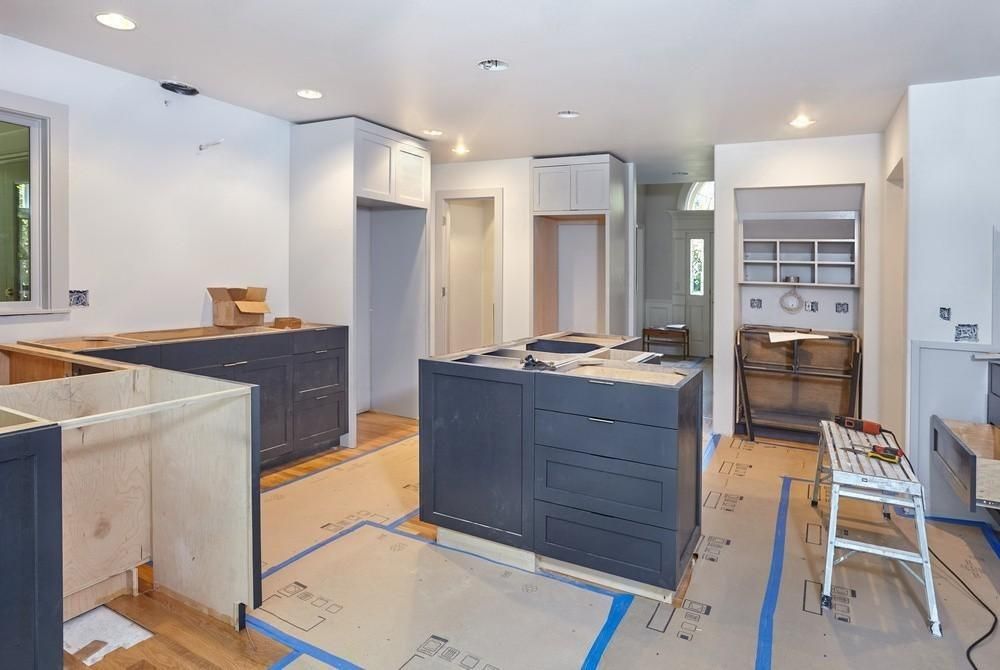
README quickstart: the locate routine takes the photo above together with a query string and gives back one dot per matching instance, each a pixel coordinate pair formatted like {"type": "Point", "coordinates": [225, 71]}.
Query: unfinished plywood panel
{"type": "Point", "coordinates": [546, 276]}
{"type": "Point", "coordinates": [21, 364]}
{"type": "Point", "coordinates": [103, 592]}
{"type": "Point", "coordinates": [105, 471]}
{"type": "Point", "coordinates": [203, 472]}
{"type": "Point", "coordinates": [627, 374]}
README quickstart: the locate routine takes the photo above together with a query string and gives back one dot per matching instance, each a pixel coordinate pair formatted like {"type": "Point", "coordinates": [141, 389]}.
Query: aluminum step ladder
{"type": "Point", "coordinates": [851, 473]}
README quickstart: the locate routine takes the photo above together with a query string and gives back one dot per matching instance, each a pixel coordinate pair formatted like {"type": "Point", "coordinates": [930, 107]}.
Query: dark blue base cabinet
{"type": "Point", "coordinates": [31, 535]}
{"type": "Point", "coordinates": [302, 375]}
{"type": "Point", "coordinates": [605, 475]}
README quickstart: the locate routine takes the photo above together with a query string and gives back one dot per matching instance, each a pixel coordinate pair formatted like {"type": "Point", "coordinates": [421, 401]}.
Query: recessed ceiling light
{"type": "Point", "coordinates": [309, 94]}
{"type": "Point", "coordinates": [115, 20]}
{"type": "Point", "coordinates": [178, 87]}
{"type": "Point", "coordinates": [460, 149]}
{"type": "Point", "coordinates": [433, 132]}
{"type": "Point", "coordinates": [493, 65]}
{"type": "Point", "coordinates": [567, 114]}
{"type": "Point", "coordinates": [801, 121]}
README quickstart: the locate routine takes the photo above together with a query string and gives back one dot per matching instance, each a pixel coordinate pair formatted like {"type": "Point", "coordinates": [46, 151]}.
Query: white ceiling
{"type": "Point", "coordinates": [658, 82]}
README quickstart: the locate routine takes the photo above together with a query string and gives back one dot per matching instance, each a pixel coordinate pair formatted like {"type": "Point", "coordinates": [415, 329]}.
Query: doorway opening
{"type": "Point", "coordinates": [470, 270]}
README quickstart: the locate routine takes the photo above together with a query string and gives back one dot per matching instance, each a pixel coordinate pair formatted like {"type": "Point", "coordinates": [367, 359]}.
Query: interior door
{"type": "Point", "coordinates": [469, 257]}
{"type": "Point", "coordinates": [698, 299]}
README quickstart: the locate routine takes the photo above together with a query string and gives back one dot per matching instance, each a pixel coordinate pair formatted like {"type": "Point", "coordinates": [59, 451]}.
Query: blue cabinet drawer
{"type": "Point", "coordinates": [605, 399]}
{"type": "Point", "coordinates": [319, 372]}
{"type": "Point", "coordinates": [139, 354]}
{"type": "Point", "coordinates": [320, 418]}
{"type": "Point", "coordinates": [319, 339]}
{"type": "Point", "coordinates": [647, 554]}
{"type": "Point", "coordinates": [606, 437]}
{"type": "Point", "coordinates": [641, 493]}
{"type": "Point", "coordinates": [216, 351]}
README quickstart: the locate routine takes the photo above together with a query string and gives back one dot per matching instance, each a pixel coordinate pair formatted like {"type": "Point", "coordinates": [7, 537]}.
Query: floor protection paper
{"type": "Point", "coordinates": [753, 600]}
{"type": "Point", "coordinates": [380, 487]}
{"type": "Point", "coordinates": [378, 598]}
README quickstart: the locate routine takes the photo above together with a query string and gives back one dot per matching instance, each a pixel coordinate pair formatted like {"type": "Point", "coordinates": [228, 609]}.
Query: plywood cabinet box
{"type": "Point", "coordinates": [155, 465]}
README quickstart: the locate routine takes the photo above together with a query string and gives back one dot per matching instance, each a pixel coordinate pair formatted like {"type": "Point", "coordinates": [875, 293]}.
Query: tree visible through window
{"type": "Point", "coordinates": [696, 270]}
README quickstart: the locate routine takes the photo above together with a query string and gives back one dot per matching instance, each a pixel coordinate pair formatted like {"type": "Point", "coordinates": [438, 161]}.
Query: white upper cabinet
{"type": "Point", "coordinates": [571, 184]}
{"type": "Point", "coordinates": [390, 169]}
{"type": "Point", "coordinates": [591, 185]}
{"type": "Point", "coordinates": [552, 187]}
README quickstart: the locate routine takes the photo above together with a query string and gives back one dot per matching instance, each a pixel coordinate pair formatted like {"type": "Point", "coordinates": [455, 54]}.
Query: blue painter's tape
{"type": "Point", "coordinates": [713, 442]}
{"type": "Point", "coordinates": [338, 464]}
{"type": "Point", "coordinates": [765, 628]}
{"type": "Point", "coordinates": [403, 519]}
{"type": "Point", "coordinates": [308, 550]}
{"type": "Point", "coordinates": [300, 646]}
{"type": "Point", "coordinates": [285, 661]}
{"type": "Point", "coordinates": [619, 606]}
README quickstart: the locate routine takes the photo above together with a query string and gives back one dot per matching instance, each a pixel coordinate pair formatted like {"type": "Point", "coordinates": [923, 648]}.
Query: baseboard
{"type": "Point", "coordinates": [494, 551]}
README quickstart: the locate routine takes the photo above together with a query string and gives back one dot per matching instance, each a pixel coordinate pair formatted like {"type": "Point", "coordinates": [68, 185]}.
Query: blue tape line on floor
{"type": "Point", "coordinates": [338, 464]}
{"type": "Point", "coordinates": [713, 442]}
{"type": "Point", "coordinates": [403, 519]}
{"type": "Point", "coordinates": [619, 606]}
{"type": "Point", "coordinates": [765, 627]}
{"type": "Point", "coordinates": [620, 603]}
{"type": "Point", "coordinates": [300, 646]}
{"type": "Point", "coordinates": [285, 661]}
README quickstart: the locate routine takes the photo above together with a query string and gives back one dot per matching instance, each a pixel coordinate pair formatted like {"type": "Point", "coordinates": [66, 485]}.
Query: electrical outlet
{"type": "Point", "coordinates": [79, 298]}
{"type": "Point", "coordinates": [812, 306]}
{"type": "Point", "coordinates": [944, 313]}
{"type": "Point", "coordinates": [756, 303]}
{"type": "Point", "coordinates": [842, 308]}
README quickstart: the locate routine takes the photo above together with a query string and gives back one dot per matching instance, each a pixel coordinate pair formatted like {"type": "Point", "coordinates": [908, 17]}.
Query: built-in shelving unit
{"type": "Point", "coordinates": [802, 248]}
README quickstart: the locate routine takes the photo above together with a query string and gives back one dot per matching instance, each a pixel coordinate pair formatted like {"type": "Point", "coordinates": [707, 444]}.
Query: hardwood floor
{"type": "Point", "coordinates": [375, 430]}
{"type": "Point", "coordinates": [185, 638]}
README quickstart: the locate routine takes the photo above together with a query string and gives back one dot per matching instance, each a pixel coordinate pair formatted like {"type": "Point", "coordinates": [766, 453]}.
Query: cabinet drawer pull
{"type": "Point", "coordinates": [319, 330]}
{"type": "Point", "coordinates": [233, 365]}
{"type": "Point", "coordinates": [596, 420]}
{"type": "Point", "coordinates": [321, 351]}
{"type": "Point", "coordinates": [322, 396]}
{"type": "Point", "coordinates": [600, 381]}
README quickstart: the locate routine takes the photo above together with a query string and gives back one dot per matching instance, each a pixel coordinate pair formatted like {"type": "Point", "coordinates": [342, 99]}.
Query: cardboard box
{"type": "Point", "coordinates": [238, 306]}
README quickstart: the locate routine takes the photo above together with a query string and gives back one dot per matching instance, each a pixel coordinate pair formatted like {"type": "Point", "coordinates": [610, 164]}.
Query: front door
{"type": "Point", "coordinates": [698, 299]}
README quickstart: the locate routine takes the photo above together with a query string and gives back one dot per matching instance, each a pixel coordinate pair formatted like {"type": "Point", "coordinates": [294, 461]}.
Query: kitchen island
{"type": "Point", "coordinates": [590, 462]}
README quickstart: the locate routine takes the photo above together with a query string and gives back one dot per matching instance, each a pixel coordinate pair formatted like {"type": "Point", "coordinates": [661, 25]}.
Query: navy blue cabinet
{"type": "Point", "coordinates": [476, 435]}
{"type": "Point", "coordinates": [141, 354]}
{"type": "Point", "coordinates": [31, 559]}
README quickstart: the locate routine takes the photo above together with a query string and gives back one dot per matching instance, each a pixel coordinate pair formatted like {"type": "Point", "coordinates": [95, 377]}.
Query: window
{"type": "Point", "coordinates": [700, 196]}
{"type": "Point", "coordinates": [696, 267]}
{"type": "Point", "coordinates": [33, 186]}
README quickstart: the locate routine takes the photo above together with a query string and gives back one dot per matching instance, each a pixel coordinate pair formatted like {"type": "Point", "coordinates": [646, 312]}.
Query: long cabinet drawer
{"type": "Point", "coordinates": [632, 550]}
{"type": "Point", "coordinates": [203, 353]}
{"type": "Point", "coordinates": [605, 399]}
{"type": "Point", "coordinates": [319, 373]}
{"type": "Point", "coordinates": [606, 437]}
{"type": "Point", "coordinates": [641, 493]}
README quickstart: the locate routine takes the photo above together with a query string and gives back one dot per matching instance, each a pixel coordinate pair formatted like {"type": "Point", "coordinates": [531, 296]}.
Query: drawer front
{"type": "Point", "coordinates": [203, 353]}
{"type": "Point", "coordinates": [632, 491]}
{"type": "Point", "coordinates": [316, 417]}
{"type": "Point", "coordinates": [604, 399]}
{"type": "Point", "coordinates": [993, 409]}
{"type": "Point", "coordinates": [319, 373]}
{"type": "Point", "coordinates": [635, 551]}
{"type": "Point", "coordinates": [605, 437]}
{"type": "Point", "coordinates": [995, 378]}
{"type": "Point", "coordinates": [319, 339]}
{"type": "Point", "coordinates": [143, 354]}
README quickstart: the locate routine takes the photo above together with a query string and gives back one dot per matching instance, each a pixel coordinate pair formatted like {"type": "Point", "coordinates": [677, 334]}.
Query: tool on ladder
{"type": "Point", "coordinates": [881, 451]}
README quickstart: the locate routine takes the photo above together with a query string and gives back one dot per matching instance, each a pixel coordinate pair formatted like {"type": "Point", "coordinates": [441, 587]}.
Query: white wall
{"type": "Point", "coordinates": [470, 274]}
{"type": "Point", "coordinates": [659, 200]}
{"type": "Point", "coordinates": [953, 204]}
{"type": "Point", "coordinates": [854, 159]}
{"type": "Point", "coordinates": [513, 177]}
{"type": "Point", "coordinates": [153, 221]}
{"type": "Point", "coordinates": [581, 277]}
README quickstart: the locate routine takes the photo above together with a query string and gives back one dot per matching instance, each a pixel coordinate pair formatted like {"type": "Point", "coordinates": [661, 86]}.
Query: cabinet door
{"type": "Point", "coordinates": [31, 535]}
{"type": "Point", "coordinates": [373, 166]}
{"type": "Point", "coordinates": [590, 186]}
{"type": "Point", "coordinates": [552, 188]}
{"type": "Point", "coordinates": [412, 176]}
{"type": "Point", "coordinates": [476, 433]}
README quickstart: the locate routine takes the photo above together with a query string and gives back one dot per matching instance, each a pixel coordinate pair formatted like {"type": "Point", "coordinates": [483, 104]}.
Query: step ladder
{"type": "Point", "coordinates": [851, 473]}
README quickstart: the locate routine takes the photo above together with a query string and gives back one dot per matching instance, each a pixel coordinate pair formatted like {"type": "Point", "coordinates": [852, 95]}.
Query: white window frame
{"type": "Point", "coordinates": [48, 144]}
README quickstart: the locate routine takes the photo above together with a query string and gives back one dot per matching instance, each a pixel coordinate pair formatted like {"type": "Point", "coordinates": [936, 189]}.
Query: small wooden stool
{"type": "Point", "coordinates": [853, 474]}
{"type": "Point", "coordinates": [678, 335]}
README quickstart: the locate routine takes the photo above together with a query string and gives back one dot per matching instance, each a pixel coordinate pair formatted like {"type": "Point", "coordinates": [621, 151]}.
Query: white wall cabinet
{"type": "Point", "coordinates": [391, 169]}
{"type": "Point", "coordinates": [574, 190]}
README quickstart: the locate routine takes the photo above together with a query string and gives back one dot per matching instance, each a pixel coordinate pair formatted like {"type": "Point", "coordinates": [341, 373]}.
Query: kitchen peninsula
{"type": "Point", "coordinates": [589, 460]}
